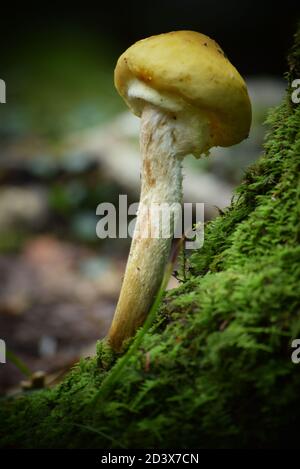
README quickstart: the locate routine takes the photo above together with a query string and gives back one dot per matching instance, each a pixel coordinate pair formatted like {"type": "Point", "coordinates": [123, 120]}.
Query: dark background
{"type": "Point", "coordinates": [256, 34]}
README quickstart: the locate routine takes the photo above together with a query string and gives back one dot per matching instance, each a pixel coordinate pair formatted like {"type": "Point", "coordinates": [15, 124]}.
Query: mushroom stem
{"type": "Point", "coordinates": [150, 248]}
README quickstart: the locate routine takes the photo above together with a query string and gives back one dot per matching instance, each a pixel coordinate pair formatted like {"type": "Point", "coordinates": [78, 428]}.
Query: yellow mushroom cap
{"type": "Point", "coordinates": [190, 70]}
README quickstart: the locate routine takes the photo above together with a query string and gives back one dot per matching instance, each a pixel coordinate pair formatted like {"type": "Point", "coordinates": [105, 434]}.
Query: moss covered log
{"type": "Point", "coordinates": [215, 369]}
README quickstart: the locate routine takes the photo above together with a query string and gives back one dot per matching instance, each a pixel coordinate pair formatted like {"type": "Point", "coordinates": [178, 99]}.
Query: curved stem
{"type": "Point", "coordinates": [161, 194]}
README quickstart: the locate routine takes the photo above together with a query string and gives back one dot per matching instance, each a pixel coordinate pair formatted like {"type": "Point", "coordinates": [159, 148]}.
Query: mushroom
{"type": "Point", "coordinates": [190, 98]}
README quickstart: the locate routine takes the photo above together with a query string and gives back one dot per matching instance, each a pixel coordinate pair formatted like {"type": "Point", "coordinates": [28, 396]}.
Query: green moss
{"type": "Point", "coordinates": [215, 368]}
{"type": "Point", "coordinates": [105, 355]}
